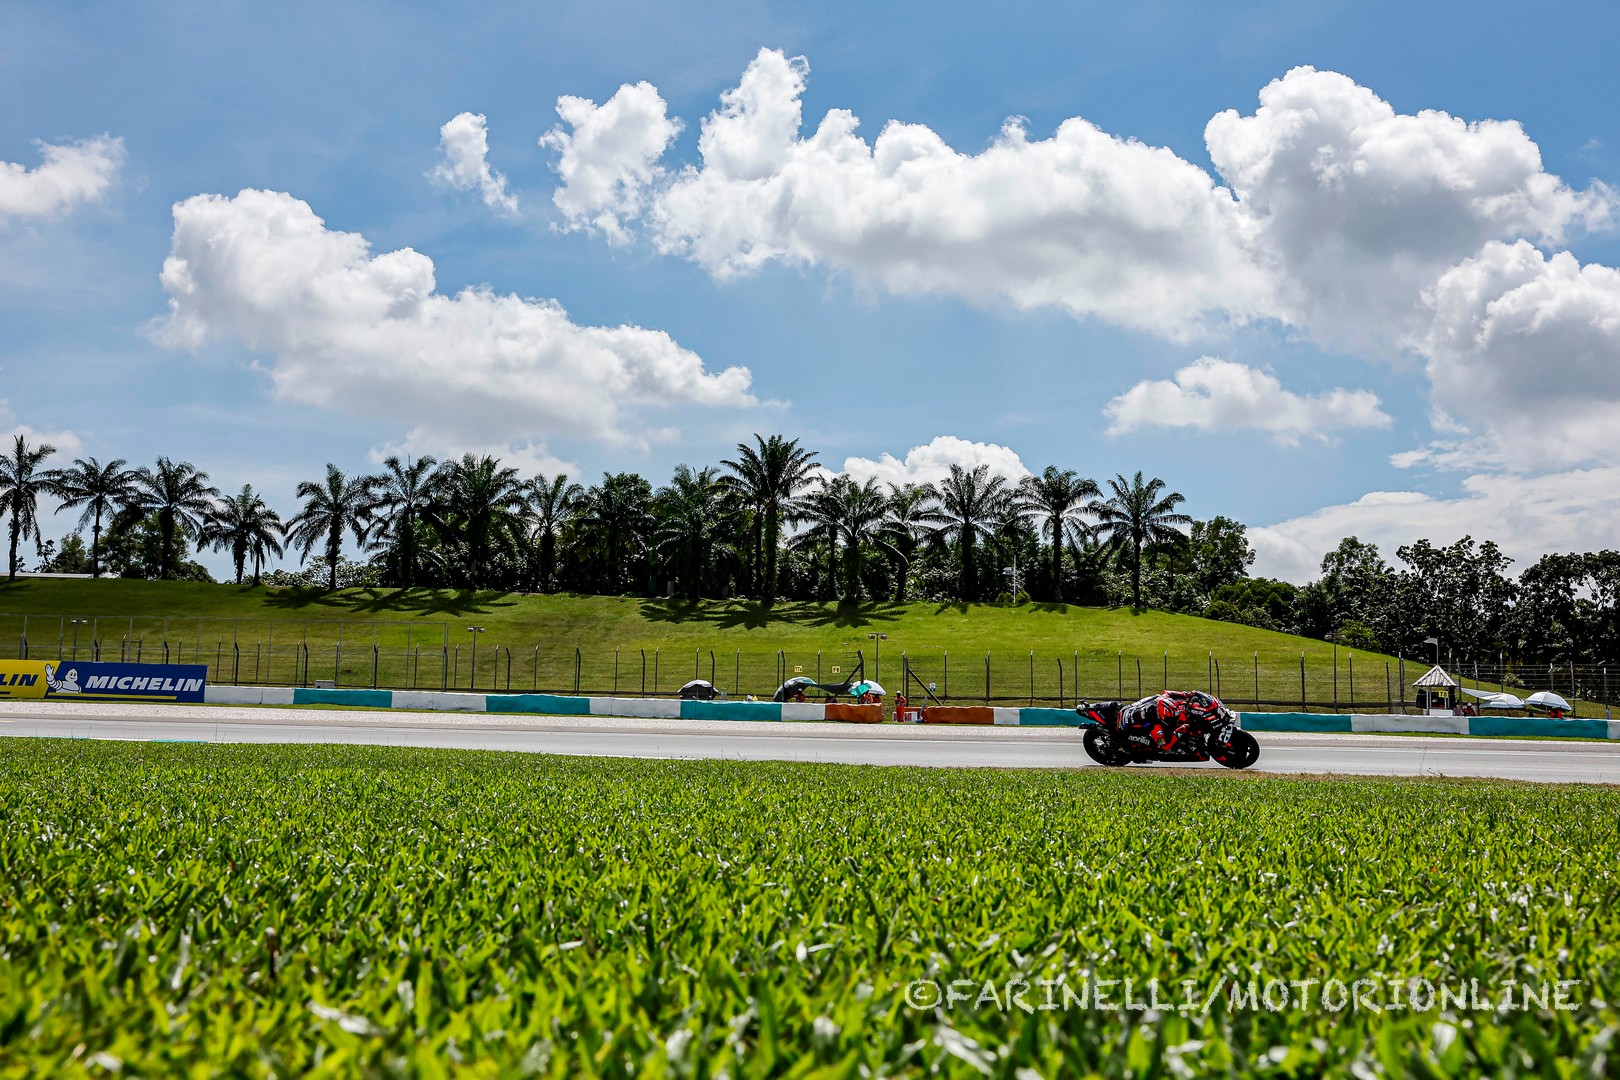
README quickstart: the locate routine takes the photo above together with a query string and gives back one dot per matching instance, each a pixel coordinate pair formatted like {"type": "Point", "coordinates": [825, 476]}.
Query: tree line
{"type": "Point", "coordinates": [771, 524]}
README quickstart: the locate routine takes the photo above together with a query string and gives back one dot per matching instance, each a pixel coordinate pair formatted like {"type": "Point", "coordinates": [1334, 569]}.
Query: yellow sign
{"type": "Point", "coordinates": [837, 670]}
{"type": "Point", "coordinates": [22, 679]}
{"type": "Point", "coordinates": [797, 668]}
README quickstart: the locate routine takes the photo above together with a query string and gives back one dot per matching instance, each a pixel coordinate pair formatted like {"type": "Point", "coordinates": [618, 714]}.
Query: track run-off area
{"type": "Point", "coordinates": [1547, 761]}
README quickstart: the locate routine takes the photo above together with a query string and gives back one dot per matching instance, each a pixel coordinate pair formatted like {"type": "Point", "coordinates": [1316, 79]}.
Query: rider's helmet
{"type": "Point", "coordinates": [1204, 707]}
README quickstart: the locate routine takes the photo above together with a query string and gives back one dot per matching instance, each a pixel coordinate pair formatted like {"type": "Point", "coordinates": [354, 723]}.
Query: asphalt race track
{"type": "Point", "coordinates": [889, 744]}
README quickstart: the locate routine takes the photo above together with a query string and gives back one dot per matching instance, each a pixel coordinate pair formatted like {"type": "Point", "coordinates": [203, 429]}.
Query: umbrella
{"type": "Point", "coordinates": [861, 689]}
{"type": "Point", "coordinates": [699, 690]}
{"type": "Point", "coordinates": [796, 685]}
{"type": "Point", "coordinates": [1546, 699]}
{"type": "Point", "coordinates": [1492, 699]}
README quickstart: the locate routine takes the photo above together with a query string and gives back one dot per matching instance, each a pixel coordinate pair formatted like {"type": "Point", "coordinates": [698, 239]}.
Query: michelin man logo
{"type": "Point", "coordinates": [67, 684]}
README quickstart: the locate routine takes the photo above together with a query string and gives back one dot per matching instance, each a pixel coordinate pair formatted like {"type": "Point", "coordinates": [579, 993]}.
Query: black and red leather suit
{"type": "Point", "coordinates": [1164, 719]}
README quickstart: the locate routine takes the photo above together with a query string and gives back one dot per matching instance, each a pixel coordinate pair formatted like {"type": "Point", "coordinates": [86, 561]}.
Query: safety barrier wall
{"type": "Point", "coordinates": [674, 708]}
{"type": "Point", "coordinates": [1519, 726]}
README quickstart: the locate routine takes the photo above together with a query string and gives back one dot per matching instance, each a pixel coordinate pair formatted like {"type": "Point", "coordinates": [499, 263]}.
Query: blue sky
{"type": "Point", "coordinates": [868, 324]}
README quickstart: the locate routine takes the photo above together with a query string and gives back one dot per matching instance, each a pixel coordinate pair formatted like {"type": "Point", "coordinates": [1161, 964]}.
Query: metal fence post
{"type": "Point", "coordinates": [1138, 678]}
{"type": "Point", "coordinates": [1389, 696]}
{"type": "Point", "coordinates": [1304, 706]}
{"type": "Point", "coordinates": [643, 671]}
{"type": "Point", "coordinates": [615, 671]}
{"type": "Point", "coordinates": [946, 675]}
{"type": "Point", "coordinates": [1032, 676]}
{"type": "Point", "coordinates": [1061, 698]}
{"type": "Point", "coordinates": [577, 665]}
{"type": "Point", "coordinates": [1257, 680]}
{"type": "Point", "coordinates": [987, 678]}
{"type": "Point", "coordinates": [1120, 665]}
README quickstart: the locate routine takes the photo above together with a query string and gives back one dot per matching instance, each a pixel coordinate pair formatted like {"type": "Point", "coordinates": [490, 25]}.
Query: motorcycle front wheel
{"type": "Point", "coordinates": [1238, 752]}
{"type": "Point", "coordinates": [1101, 749]}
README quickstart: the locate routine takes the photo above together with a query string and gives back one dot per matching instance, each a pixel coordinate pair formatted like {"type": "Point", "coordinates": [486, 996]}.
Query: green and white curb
{"type": "Point", "coordinates": [771, 711]}
{"type": "Point", "coordinates": [1520, 726]}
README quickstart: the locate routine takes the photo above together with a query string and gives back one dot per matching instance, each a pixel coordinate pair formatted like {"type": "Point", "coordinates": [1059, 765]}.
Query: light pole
{"type": "Point", "coordinates": [877, 654]}
{"type": "Point", "coordinates": [1335, 639]}
{"type": "Point", "coordinates": [76, 624]}
{"type": "Point", "coordinates": [472, 675]}
{"type": "Point", "coordinates": [1014, 578]}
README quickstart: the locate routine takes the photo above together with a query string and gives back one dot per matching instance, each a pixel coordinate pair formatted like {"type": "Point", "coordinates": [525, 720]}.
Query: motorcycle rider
{"type": "Point", "coordinates": [1163, 720]}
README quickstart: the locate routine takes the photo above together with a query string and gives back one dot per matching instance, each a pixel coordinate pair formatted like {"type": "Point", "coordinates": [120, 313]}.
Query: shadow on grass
{"type": "Point", "coordinates": [450, 602]}
{"type": "Point", "coordinates": [755, 615]}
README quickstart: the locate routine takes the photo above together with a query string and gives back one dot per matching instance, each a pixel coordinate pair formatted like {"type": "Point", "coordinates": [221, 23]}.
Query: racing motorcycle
{"type": "Point", "coordinates": [1204, 735]}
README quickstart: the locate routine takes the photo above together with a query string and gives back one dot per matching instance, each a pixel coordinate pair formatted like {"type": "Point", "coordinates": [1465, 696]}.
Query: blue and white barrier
{"type": "Point", "coordinates": [771, 711]}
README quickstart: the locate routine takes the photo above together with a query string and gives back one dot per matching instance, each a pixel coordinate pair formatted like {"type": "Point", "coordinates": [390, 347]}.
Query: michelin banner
{"type": "Point", "coordinates": [85, 680]}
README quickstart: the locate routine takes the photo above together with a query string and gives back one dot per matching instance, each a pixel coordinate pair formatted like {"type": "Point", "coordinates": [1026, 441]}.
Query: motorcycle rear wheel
{"type": "Point", "coordinates": [1101, 749]}
{"type": "Point", "coordinates": [1239, 752]}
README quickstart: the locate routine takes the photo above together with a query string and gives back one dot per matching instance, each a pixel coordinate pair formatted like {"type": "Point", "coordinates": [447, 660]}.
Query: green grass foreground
{"type": "Point", "coordinates": [336, 910]}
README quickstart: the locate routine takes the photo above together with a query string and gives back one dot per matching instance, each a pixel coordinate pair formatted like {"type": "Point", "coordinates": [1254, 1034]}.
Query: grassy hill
{"type": "Point", "coordinates": [420, 637]}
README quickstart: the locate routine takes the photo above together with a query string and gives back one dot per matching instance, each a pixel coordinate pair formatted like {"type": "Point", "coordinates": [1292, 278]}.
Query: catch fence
{"type": "Point", "coordinates": [429, 655]}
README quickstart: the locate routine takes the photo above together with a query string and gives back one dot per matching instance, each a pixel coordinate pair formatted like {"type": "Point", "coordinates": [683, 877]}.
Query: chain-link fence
{"type": "Point", "coordinates": [426, 655]}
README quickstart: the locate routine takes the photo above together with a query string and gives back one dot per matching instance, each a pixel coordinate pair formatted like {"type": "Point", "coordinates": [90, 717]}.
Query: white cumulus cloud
{"type": "Point", "coordinates": [68, 443]}
{"type": "Point", "coordinates": [606, 156]}
{"type": "Point", "coordinates": [1212, 394]}
{"type": "Point", "coordinates": [70, 173]}
{"type": "Point", "coordinates": [1335, 215]}
{"type": "Point", "coordinates": [1527, 516]}
{"type": "Point", "coordinates": [464, 147]}
{"type": "Point", "coordinates": [1359, 208]}
{"type": "Point", "coordinates": [346, 329]}
{"type": "Point", "coordinates": [931, 463]}
{"type": "Point", "coordinates": [1525, 348]}
{"type": "Point", "coordinates": [1083, 220]}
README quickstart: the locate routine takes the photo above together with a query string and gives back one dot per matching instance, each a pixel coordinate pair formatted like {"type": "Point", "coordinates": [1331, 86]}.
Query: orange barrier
{"type": "Point", "coordinates": [856, 714]}
{"type": "Point", "coordinates": [958, 714]}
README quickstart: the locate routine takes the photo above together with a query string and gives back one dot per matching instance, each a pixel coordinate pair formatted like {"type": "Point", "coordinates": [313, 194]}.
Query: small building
{"type": "Point", "coordinates": [1437, 692]}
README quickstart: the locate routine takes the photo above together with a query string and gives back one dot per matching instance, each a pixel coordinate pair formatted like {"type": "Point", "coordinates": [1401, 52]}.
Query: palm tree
{"type": "Point", "coordinates": [100, 489]}
{"type": "Point", "coordinates": [22, 482]}
{"type": "Point", "coordinates": [971, 503]}
{"type": "Point", "coordinates": [1058, 496]}
{"type": "Point", "coordinates": [486, 500]}
{"type": "Point", "coordinates": [615, 515]}
{"type": "Point", "coordinates": [863, 512]}
{"type": "Point", "coordinates": [1137, 515]}
{"type": "Point", "coordinates": [843, 515]}
{"type": "Point", "coordinates": [552, 501]}
{"type": "Point", "coordinates": [246, 525]}
{"type": "Point", "coordinates": [404, 495]}
{"type": "Point", "coordinates": [330, 509]}
{"type": "Point", "coordinates": [768, 476]}
{"type": "Point", "coordinates": [821, 508]}
{"type": "Point", "coordinates": [182, 498]}
{"type": "Point", "coordinates": [910, 516]}
{"type": "Point", "coordinates": [692, 520]}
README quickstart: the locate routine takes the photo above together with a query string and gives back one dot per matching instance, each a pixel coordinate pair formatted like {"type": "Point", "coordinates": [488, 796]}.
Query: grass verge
{"type": "Point", "coordinates": [260, 910]}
